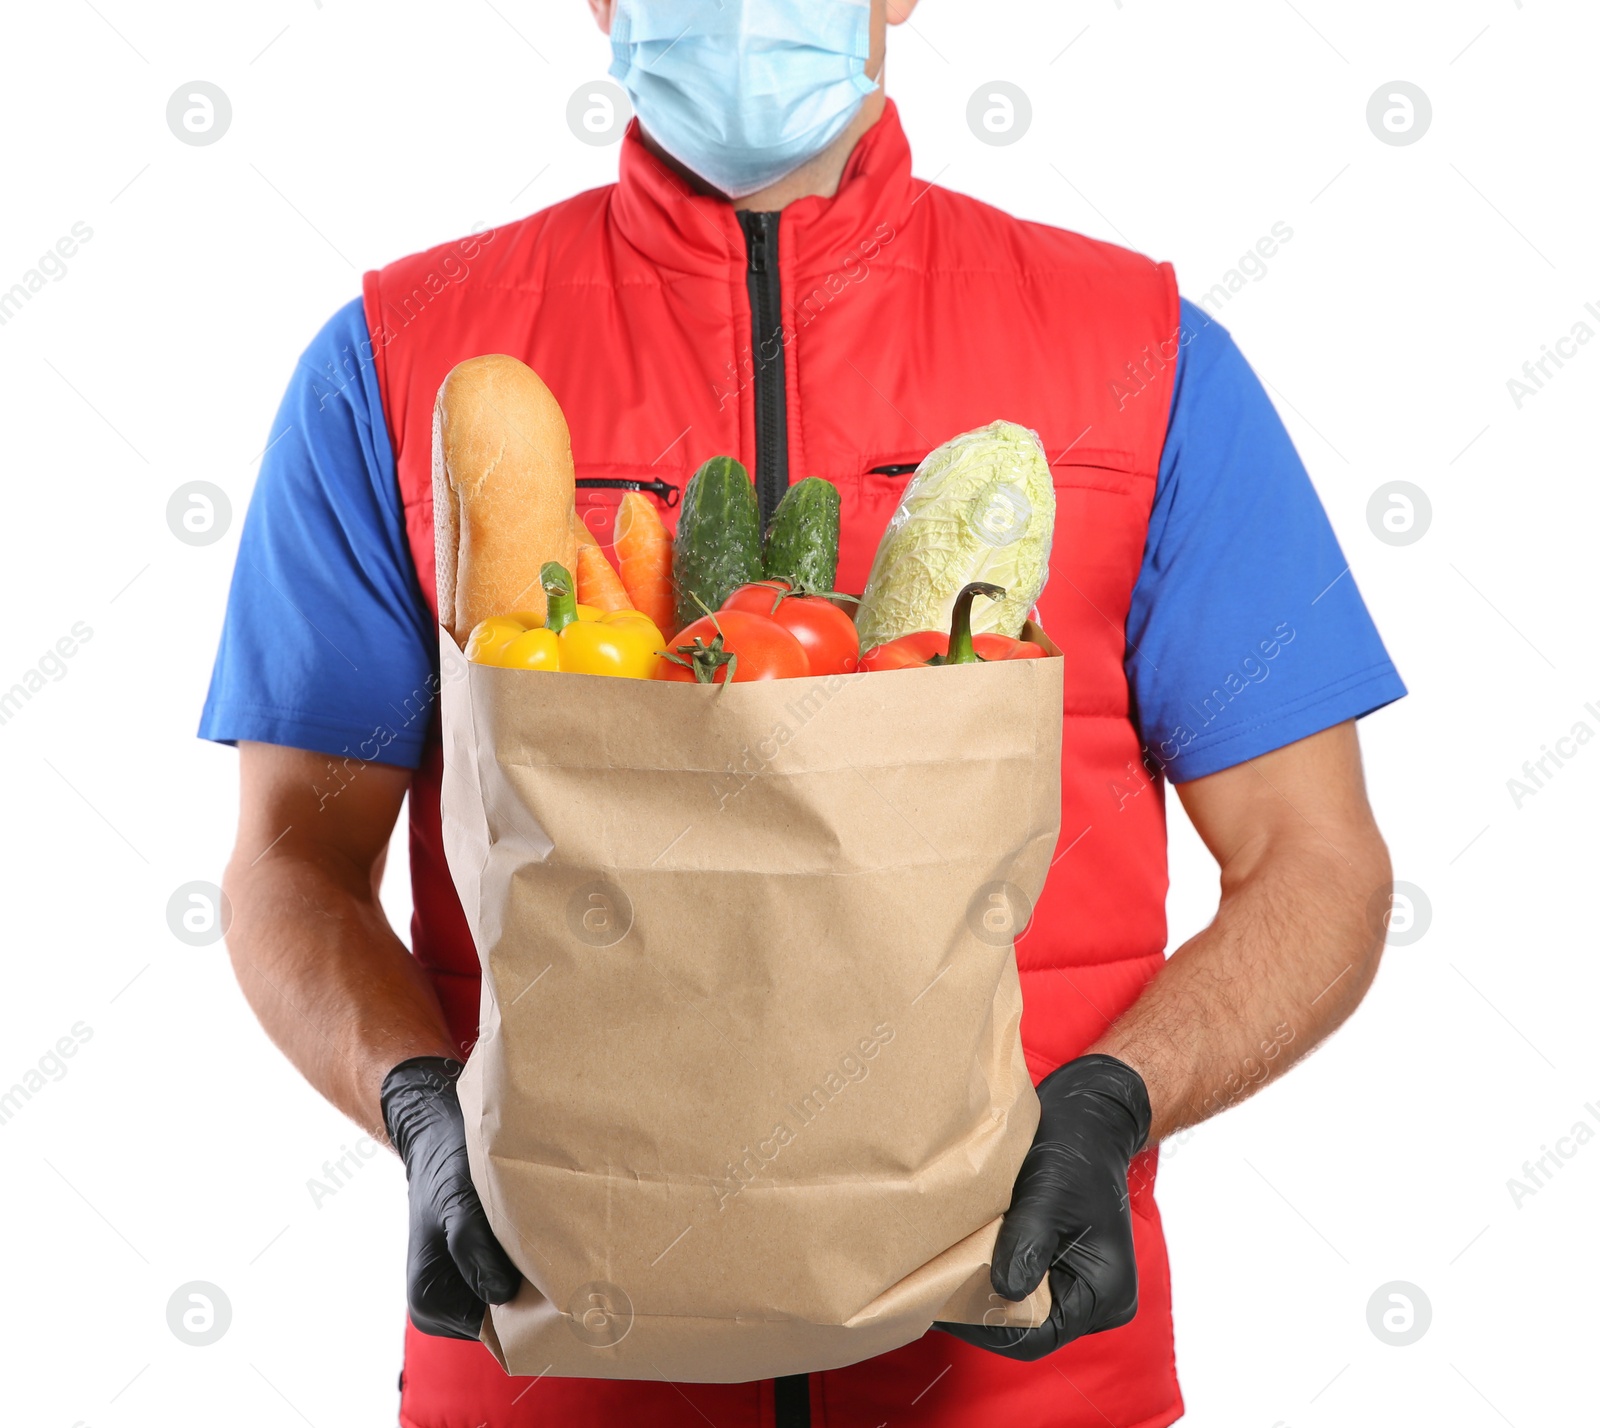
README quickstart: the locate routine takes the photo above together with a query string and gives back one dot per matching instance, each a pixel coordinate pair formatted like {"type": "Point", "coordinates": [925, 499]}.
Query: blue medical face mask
{"type": "Point", "coordinates": [742, 92]}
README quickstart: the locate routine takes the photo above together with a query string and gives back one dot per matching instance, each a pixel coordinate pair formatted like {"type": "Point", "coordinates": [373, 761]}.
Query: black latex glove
{"type": "Point", "coordinates": [455, 1268]}
{"type": "Point", "coordinates": [1069, 1211]}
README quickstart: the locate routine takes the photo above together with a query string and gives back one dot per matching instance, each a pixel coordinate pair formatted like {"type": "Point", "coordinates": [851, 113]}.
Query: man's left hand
{"type": "Point", "coordinates": [1069, 1212]}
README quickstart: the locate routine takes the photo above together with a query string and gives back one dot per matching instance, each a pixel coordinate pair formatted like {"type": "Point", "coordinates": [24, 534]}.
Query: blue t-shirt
{"type": "Point", "coordinates": [1246, 630]}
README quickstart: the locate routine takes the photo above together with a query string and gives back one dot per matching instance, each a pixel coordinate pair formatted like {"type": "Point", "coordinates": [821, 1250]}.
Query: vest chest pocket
{"type": "Point", "coordinates": [1098, 469]}
{"type": "Point", "coordinates": [1102, 516]}
{"type": "Point", "coordinates": [600, 489]}
{"type": "Point", "coordinates": [868, 495]}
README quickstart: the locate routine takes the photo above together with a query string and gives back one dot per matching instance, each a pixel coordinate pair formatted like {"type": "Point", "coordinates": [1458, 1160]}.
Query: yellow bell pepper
{"type": "Point", "coordinates": [579, 639]}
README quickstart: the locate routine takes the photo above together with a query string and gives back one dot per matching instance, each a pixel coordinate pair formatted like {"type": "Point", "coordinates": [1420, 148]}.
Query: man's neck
{"type": "Point", "coordinates": [816, 178]}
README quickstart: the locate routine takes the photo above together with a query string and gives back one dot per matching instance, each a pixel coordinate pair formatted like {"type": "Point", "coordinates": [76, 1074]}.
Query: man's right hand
{"type": "Point", "coordinates": [455, 1267]}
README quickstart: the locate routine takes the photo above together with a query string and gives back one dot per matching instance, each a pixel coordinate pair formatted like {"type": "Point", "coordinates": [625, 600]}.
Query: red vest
{"type": "Point", "coordinates": [908, 314]}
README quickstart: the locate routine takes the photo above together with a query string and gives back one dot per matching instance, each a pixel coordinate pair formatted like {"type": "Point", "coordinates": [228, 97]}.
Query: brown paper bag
{"type": "Point", "coordinates": [749, 1097]}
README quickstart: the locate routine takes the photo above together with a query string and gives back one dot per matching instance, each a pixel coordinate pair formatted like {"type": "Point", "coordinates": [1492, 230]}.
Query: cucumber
{"type": "Point", "coordinates": [803, 539]}
{"type": "Point", "coordinates": [718, 545]}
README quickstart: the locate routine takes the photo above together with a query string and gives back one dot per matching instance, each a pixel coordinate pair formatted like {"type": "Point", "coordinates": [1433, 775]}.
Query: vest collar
{"type": "Point", "coordinates": [677, 229]}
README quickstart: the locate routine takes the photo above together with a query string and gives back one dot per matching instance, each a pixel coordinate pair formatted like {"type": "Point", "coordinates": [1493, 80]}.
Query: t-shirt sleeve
{"type": "Point", "coordinates": [1246, 631]}
{"type": "Point", "coordinates": [327, 644]}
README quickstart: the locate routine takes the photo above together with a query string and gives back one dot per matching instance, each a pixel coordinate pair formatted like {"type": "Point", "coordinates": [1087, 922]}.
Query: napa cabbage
{"type": "Point", "coordinates": [980, 507]}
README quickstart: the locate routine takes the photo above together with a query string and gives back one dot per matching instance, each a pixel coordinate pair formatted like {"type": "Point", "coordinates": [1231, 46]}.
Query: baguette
{"type": "Point", "coordinates": [502, 491]}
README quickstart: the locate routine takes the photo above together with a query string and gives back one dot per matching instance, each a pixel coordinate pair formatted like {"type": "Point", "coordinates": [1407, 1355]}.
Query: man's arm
{"type": "Point", "coordinates": [344, 1000]}
{"type": "Point", "coordinates": [1290, 953]}
{"type": "Point", "coordinates": [334, 987]}
{"type": "Point", "coordinates": [1294, 945]}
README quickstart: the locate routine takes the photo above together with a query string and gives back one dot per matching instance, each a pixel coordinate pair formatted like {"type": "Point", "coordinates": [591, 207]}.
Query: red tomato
{"type": "Point", "coordinates": [763, 649]}
{"type": "Point", "coordinates": [825, 632]}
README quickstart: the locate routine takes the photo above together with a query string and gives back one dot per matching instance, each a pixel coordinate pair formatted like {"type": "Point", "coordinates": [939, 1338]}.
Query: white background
{"type": "Point", "coordinates": [178, 1146]}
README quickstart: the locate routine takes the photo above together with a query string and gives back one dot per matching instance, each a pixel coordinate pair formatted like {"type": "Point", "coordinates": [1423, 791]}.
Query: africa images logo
{"type": "Point", "coordinates": [51, 264]}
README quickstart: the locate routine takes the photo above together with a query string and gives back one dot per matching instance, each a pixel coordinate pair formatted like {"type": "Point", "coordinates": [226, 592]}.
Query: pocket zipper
{"type": "Point", "coordinates": [664, 491]}
{"type": "Point", "coordinates": [903, 469]}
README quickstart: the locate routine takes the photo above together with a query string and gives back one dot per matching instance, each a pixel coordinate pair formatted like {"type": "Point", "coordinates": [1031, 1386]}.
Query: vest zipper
{"type": "Point", "coordinates": [791, 1401]}
{"type": "Point", "coordinates": [766, 354]}
{"type": "Point", "coordinates": [666, 491]}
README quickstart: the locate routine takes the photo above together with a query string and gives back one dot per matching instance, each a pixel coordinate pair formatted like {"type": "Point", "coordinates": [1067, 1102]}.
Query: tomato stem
{"type": "Point", "coordinates": [704, 660]}
{"type": "Point", "coordinates": [785, 590]}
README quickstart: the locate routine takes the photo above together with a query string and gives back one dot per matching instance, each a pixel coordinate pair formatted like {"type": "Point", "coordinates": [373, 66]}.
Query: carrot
{"type": "Point", "coordinates": [597, 581]}
{"type": "Point", "coordinates": [644, 556]}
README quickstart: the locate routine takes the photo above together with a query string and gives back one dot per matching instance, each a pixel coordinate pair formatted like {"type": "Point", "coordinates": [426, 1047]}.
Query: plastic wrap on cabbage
{"type": "Point", "coordinates": [980, 507]}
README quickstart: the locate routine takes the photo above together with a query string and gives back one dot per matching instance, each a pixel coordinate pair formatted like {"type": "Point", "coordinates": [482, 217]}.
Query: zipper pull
{"type": "Point", "coordinates": [758, 242]}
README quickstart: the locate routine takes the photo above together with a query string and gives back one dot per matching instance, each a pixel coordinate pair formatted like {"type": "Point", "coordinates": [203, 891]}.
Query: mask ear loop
{"type": "Point", "coordinates": [859, 47]}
